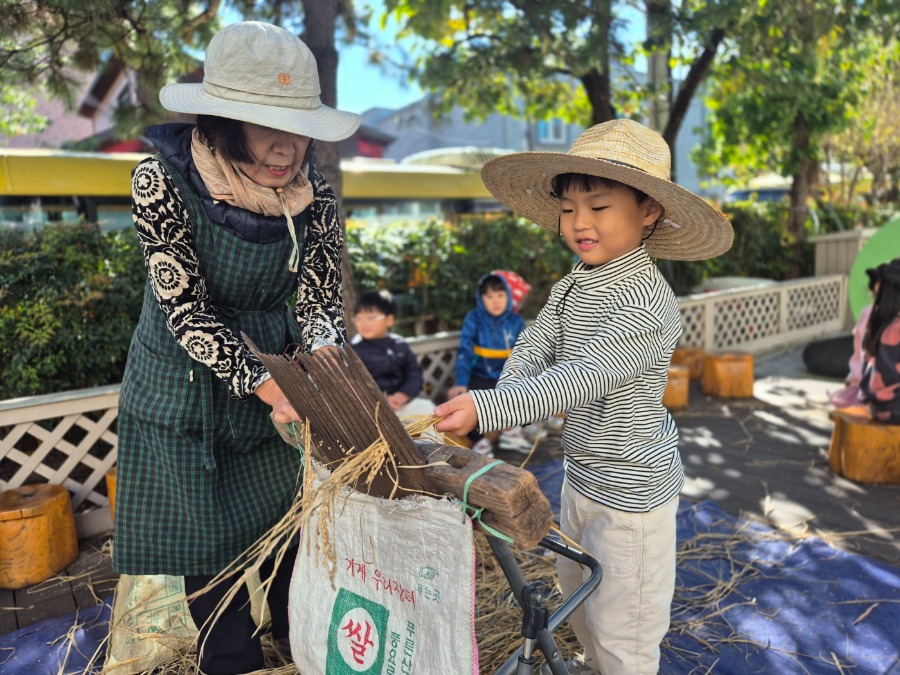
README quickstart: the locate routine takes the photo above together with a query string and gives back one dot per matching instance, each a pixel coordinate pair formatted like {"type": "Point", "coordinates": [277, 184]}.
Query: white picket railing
{"type": "Point", "coordinates": [69, 438]}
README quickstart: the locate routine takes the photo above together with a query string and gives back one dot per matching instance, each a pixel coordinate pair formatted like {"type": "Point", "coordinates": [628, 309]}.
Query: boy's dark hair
{"type": "Point", "coordinates": [492, 282]}
{"type": "Point", "coordinates": [886, 307]}
{"type": "Point", "coordinates": [376, 301]}
{"type": "Point", "coordinates": [227, 138]}
{"type": "Point", "coordinates": [586, 183]}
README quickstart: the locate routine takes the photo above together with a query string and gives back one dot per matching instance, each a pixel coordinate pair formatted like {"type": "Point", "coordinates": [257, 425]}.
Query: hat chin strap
{"type": "Point", "coordinates": [650, 234]}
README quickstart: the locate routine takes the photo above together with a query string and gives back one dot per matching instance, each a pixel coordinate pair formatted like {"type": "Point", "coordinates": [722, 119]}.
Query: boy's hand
{"type": "Point", "coordinates": [453, 392]}
{"type": "Point", "coordinates": [459, 415]}
{"type": "Point", "coordinates": [397, 400]}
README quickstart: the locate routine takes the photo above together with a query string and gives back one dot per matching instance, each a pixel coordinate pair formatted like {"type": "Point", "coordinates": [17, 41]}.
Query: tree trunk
{"type": "Point", "coordinates": [659, 75]}
{"type": "Point", "coordinates": [689, 86]}
{"type": "Point", "coordinates": [596, 82]}
{"type": "Point", "coordinates": [801, 189]}
{"type": "Point", "coordinates": [320, 20]}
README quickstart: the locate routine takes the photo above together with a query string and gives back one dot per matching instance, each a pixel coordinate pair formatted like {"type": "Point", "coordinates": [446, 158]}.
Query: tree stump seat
{"type": "Point", "coordinates": [37, 534]}
{"type": "Point", "coordinates": [692, 357]}
{"type": "Point", "coordinates": [728, 375]}
{"type": "Point", "coordinates": [111, 477]}
{"type": "Point", "coordinates": [862, 449]}
{"type": "Point", "coordinates": [677, 390]}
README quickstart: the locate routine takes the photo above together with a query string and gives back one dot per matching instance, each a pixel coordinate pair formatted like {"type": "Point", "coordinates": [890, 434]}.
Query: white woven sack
{"type": "Point", "coordinates": [403, 599]}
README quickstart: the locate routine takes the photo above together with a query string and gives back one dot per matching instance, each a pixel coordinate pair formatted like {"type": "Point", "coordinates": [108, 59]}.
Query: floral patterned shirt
{"type": "Point", "coordinates": [162, 221]}
{"type": "Point", "coordinates": [880, 384]}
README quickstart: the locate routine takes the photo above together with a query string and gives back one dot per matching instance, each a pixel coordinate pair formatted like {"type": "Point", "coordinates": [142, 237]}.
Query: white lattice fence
{"type": "Point", "coordinates": [63, 439]}
{"type": "Point", "coordinates": [753, 319]}
{"type": "Point", "coordinates": [437, 356]}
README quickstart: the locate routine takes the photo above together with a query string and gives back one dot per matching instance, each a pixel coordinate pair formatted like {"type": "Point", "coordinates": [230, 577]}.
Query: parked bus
{"type": "Point", "coordinates": [41, 186]}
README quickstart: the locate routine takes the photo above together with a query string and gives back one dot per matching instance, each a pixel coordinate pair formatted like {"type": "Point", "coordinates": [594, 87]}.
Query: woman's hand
{"type": "Point", "coordinates": [459, 414]}
{"type": "Point", "coordinates": [271, 394]}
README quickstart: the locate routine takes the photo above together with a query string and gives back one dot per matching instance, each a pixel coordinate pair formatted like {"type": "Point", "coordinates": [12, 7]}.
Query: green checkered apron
{"type": "Point", "coordinates": [202, 475]}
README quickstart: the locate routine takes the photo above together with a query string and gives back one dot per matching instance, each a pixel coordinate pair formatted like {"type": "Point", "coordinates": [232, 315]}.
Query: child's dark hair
{"type": "Point", "coordinates": [376, 301]}
{"type": "Point", "coordinates": [492, 282]}
{"type": "Point", "coordinates": [886, 307]}
{"type": "Point", "coordinates": [586, 183]}
{"type": "Point", "coordinates": [228, 139]}
{"type": "Point", "coordinates": [874, 274]}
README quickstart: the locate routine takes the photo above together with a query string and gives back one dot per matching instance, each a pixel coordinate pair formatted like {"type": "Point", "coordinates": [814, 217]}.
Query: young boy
{"type": "Point", "coordinates": [488, 334]}
{"type": "Point", "coordinates": [599, 350]}
{"type": "Point", "coordinates": [387, 356]}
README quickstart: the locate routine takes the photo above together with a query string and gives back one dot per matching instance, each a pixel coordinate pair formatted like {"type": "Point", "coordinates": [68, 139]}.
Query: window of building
{"type": "Point", "coordinates": [551, 131]}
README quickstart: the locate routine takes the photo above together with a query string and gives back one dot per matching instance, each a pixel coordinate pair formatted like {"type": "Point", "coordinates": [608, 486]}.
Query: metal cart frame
{"type": "Point", "coordinates": [537, 625]}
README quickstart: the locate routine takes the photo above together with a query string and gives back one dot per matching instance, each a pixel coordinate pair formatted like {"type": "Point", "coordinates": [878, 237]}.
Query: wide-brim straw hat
{"type": "Point", "coordinates": [259, 73]}
{"type": "Point", "coordinates": [624, 151]}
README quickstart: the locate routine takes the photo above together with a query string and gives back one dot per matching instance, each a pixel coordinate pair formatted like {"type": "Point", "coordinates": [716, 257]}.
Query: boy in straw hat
{"type": "Point", "coordinates": [600, 350]}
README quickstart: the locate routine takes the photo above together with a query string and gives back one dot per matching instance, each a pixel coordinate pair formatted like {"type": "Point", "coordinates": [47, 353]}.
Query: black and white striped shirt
{"type": "Point", "coordinates": [600, 350]}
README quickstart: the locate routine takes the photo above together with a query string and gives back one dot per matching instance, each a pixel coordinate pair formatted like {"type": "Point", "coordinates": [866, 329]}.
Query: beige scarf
{"type": "Point", "coordinates": [227, 183]}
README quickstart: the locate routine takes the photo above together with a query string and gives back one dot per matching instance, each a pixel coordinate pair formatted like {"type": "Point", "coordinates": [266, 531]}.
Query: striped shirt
{"type": "Point", "coordinates": [600, 350]}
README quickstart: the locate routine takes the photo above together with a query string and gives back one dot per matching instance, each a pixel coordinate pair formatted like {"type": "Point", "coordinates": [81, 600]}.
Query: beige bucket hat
{"type": "Point", "coordinates": [259, 73]}
{"type": "Point", "coordinates": [630, 153]}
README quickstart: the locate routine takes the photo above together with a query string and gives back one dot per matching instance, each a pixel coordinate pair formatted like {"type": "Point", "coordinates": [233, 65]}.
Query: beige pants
{"type": "Point", "coordinates": [622, 623]}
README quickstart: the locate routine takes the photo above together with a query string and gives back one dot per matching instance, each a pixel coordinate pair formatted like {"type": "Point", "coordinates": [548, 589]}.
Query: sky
{"type": "Point", "coordinates": [362, 85]}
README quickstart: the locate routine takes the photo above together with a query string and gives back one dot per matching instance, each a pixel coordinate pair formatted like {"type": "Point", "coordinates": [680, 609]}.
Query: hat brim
{"type": "Point", "coordinates": [322, 123]}
{"type": "Point", "coordinates": [691, 228]}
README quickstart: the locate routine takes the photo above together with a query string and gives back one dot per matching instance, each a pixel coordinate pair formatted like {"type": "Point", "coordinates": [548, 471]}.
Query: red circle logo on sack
{"type": "Point", "coordinates": [358, 640]}
{"type": "Point", "coordinates": [284, 79]}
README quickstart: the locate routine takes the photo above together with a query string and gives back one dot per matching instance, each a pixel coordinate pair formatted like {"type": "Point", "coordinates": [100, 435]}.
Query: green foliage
{"type": "Point", "coordinates": [792, 76]}
{"type": "Point", "coordinates": [535, 59]}
{"type": "Point", "coordinates": [433, 269]}
{"type": "Point", "coordinates": [45, 42]}
{"type": "Point", "coordinates": [763, 245]}
{"type": "Point", "coordinates": [70, 297]}
{"type": "Point", "coordinates": [19, 114]}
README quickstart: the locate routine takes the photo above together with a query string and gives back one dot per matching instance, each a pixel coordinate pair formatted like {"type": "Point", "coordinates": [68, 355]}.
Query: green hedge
{"type": "Point", "coordinates": [71, 295]}
{"type": "Point", "coordinates": [69, 300]}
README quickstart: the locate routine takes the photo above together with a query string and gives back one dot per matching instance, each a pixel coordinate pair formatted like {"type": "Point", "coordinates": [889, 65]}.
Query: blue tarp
{"type": "Point", "coordinates": [42, 648]}
{"type": "Point", "coordinates": [791, 606]}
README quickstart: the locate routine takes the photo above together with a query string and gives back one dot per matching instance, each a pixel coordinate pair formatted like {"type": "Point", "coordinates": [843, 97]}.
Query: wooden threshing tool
{"type": "Point", "coordinates": [347, 412]}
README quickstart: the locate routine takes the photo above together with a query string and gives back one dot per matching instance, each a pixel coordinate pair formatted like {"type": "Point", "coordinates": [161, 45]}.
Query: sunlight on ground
{"type": "Point", "coordinates": [788, 430]}
{"type": "Point", "coordinates": [702, 488]}
{"type": "Point", "coordinates": [701, 436]}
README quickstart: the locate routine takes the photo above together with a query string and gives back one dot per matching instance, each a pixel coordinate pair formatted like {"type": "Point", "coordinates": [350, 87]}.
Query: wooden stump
{"type": "Point", "coordinates": [692, 357]}
{"type": "Point", "coordinates": [37, 534]}
{"type": "Point", "coordinates": [510, 496]}
{"type": "Point", "coordinates": [677, 388]}
{"type": "Point", "coordinates": [111, 476]}
{"type": "Point", "coordinates": [728, 375]}
{"type": "Point", "coordinates": [864, 450]}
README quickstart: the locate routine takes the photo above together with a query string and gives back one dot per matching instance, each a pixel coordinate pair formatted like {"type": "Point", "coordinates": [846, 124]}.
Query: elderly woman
{"type": "Point", "coordinates": [233, 220]}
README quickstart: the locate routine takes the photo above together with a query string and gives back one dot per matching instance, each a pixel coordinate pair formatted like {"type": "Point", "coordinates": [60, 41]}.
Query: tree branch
{"type": "Point", "coordinates": [696, 74]}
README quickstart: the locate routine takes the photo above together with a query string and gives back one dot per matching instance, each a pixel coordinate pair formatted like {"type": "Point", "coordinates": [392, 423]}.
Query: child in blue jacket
{"type": "Point", "coordinates": [488, 334]}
